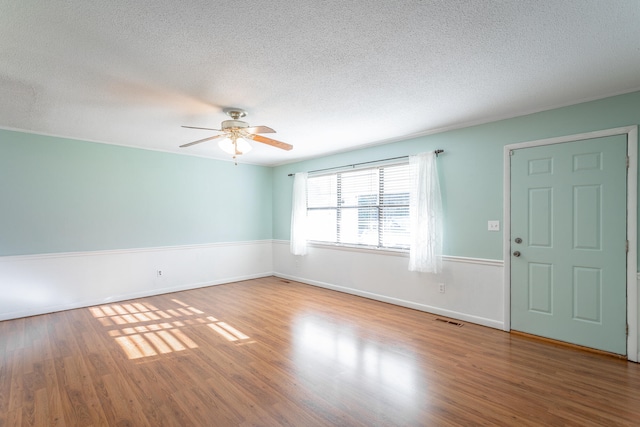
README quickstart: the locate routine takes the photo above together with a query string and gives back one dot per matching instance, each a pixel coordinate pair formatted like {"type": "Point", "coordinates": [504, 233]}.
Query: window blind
{"type": "Point", "coordinates": [367, 207]}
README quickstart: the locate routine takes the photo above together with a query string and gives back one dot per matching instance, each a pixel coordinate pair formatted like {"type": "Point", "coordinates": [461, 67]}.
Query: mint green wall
{"type": "Point", "coordinates": [61, 195]}
{"type": "Point", "coordinates": [471, 169]}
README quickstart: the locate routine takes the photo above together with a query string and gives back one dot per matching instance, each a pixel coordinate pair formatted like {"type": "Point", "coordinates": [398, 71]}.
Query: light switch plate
{"type": "Point", "coordinates": [493, 225]}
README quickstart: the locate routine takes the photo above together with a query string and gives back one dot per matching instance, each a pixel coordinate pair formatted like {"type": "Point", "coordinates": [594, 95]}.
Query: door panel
{"type": "Point", "coordinates": [541, 288]}
{"type": "Point", "coordinates": [540, 217]}
{"type": "Point", "coordinates": [587, 221]}
{"type": "Point", "coordinates": [587, 288]}
{"type": "Point", "coordinates": [568, 205]}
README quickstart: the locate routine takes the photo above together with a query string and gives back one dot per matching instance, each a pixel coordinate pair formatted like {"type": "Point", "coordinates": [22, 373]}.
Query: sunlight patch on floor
{"type": "Point", "coordinates": [143, 330]}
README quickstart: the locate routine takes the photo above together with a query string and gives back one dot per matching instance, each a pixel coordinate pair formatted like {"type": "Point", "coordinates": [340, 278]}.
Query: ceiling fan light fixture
{"type": "Point", "coordinates": [241, 146]}
{"type": "Point", "coordinates": [236, 135]}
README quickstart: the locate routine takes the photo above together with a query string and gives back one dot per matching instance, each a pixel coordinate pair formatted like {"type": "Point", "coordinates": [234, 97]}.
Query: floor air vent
{"type": "Point", "coordinates": [451, 322]}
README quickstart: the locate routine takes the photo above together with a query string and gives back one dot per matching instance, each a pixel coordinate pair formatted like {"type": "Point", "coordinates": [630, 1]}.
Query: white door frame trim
{"type": "Point", "coordinates": [632, 224]}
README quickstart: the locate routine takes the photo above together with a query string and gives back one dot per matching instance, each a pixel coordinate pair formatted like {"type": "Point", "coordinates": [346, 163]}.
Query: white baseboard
{"type": "Point", "coordinates": [400, 302]}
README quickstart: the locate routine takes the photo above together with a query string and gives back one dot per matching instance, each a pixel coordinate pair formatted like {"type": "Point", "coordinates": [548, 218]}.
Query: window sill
{"type": "Point", "coordinates": [361, 249]}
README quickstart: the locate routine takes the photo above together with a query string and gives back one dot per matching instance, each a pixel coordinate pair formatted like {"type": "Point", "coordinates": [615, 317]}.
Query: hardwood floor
{"type": "Point", "coordinates": [268, 352]}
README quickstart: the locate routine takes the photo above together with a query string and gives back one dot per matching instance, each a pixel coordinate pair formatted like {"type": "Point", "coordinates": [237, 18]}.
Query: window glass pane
{"type": "Point", "coordinates": [359, 187]}
{"type": "Point", "coordinates": [395, 227]}
{"type": "Point", "coordinates": [359, 226]}
{"type": "Point", "coordinates": [322, 191]}
{"type": "Point", "coordinates": [368, 220]}
{"type": "Point", "coordinates": [395, 207]}
{"type": "Point", "coordinates": [395, 185]}
{"type": "Point", "coordinates": [322, 225]}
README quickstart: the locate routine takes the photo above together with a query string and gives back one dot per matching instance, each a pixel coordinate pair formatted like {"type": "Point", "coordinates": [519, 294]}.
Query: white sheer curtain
{"type": "Point", "coordinates": [425, 213]}
{"type": "Point", "coordinates": [298, 245]}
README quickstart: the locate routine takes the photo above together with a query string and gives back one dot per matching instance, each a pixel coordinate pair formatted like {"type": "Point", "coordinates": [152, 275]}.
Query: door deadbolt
{"type": "Point", "coordinates": [516, 254]}
{"type": "Point", "coordinates": [518, 240]}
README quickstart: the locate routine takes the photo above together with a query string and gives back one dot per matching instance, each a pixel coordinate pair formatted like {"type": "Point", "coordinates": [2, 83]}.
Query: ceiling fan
{"type": "Point", "coordinates": [236, 133]}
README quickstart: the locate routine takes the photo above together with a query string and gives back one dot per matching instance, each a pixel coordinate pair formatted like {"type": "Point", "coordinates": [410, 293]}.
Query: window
{"type": "Point", "coordinates": [364, 207]}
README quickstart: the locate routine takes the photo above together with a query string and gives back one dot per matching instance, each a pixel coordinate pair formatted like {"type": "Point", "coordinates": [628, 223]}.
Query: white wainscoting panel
{"type": "Point", "coordinates": [473, 287]}
{"type": "Point", "coordinates": [37, 284]}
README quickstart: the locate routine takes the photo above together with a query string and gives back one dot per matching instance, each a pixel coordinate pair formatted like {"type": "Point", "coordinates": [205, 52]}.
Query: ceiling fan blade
{"type": "Point", "coordinates": [202, 140]}
{"type": "Point", "coordinates": [259, 129]}
{"type": "Point", "coordinates": [272, 142]}
{"type": "Point", "coordinates": [193, 127]}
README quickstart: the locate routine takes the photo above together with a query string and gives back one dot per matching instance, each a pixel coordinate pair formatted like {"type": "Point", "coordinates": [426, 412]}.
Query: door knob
{"type": "Point", "coordinates": [516, 254]}
{"type": "Point", "coordinates": [518, 240]}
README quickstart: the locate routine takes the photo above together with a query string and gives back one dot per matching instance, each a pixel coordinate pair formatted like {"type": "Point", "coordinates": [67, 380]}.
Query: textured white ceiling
{"type": "Point", "coordinates": [328, 75]}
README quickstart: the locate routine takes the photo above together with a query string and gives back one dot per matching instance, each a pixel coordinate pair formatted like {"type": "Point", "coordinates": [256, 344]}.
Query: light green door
{"type": "Point", "coordinates": [568, 211]}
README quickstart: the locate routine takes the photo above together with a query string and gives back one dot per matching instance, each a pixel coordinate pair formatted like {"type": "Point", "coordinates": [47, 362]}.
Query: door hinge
{"type": "Point", "coordinates": [627, 246]}
{"type": "Point", "coordinates": [627, 162]}
{"type": "Point", "coordinates": [511, 152]}
{"type": "Point", "coordinates": [627, 329]}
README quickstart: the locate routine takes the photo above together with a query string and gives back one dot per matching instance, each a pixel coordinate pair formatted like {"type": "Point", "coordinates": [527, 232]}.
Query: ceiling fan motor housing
{"type": "Point", "coordinates": [234, 124]}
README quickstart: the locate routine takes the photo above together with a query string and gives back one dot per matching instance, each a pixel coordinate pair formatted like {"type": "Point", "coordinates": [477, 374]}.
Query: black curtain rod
{"type": "Point", "coordinates": [365, 163]}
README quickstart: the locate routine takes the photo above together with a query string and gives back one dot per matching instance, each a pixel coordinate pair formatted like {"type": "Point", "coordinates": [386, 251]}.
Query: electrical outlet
{"type": "Point", "coordinates": [441, 288]}
{"type": "Point", "coordinates": [159, 272]}
{"type": "Point", "coordinates": [493, 225]}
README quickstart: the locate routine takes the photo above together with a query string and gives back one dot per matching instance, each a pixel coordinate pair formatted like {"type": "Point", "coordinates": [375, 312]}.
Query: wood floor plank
{"type": "Point", "coordinates": [13, 418]}
{"type": "Point", "coordinates": [6, 368]}
{"type": "Point", "coordinates": [272, 352]}
{"type": "Point", "coordinates": [16, 393]}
